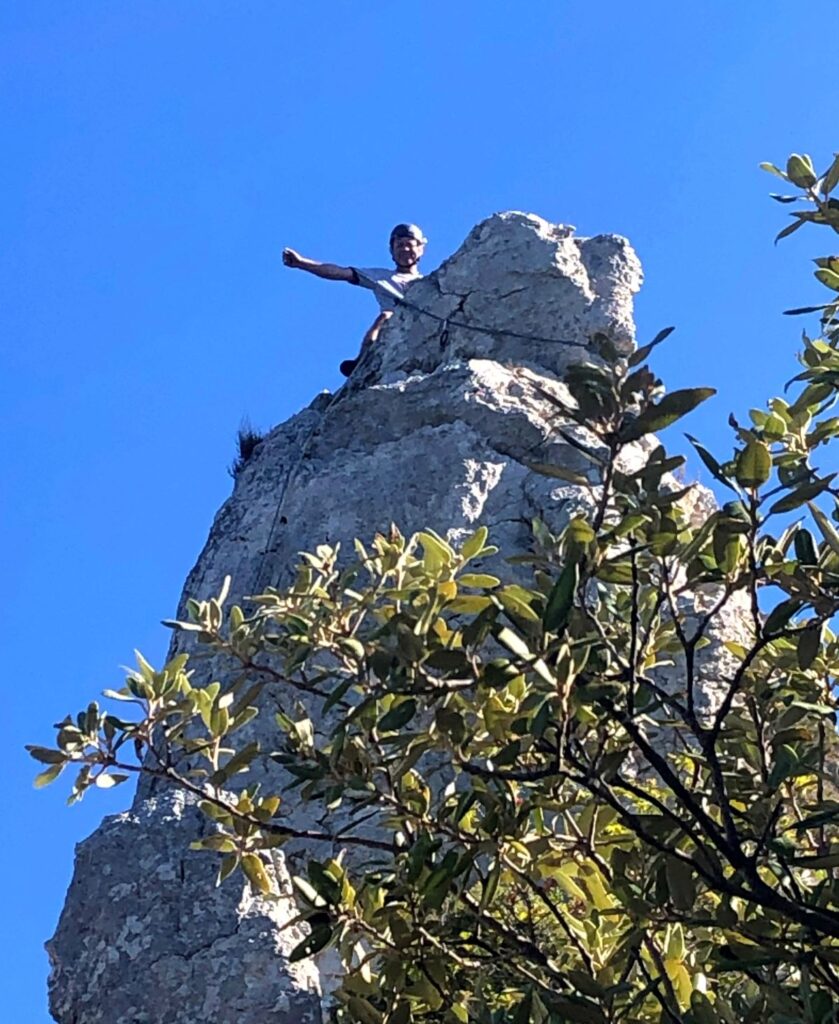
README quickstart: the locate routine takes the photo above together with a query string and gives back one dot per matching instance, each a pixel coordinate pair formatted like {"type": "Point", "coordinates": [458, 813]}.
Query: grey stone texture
{"type": "Point", "coordinates": [435, 429]}
{"type": "Point", "coordinates": [146, 938]}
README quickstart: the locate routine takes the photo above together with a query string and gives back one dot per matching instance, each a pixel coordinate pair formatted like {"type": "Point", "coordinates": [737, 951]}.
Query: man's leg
{"type": "Point", "coordinates": [370, 338]}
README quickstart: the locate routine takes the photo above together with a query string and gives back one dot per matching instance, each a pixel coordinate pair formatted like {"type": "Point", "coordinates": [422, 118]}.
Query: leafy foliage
{"type": "Point", "coordinates": [821, 207]}
{"type": "Point", "coordinates": [247, 441]}
{"type": "Point", "coordinates": [606, 796]}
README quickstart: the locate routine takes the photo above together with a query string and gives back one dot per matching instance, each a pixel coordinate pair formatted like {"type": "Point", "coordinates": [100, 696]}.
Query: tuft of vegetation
{"type": "Point", "coordinates": [247, 441]}
{"type": "Point", "coordinates": [608, 796]}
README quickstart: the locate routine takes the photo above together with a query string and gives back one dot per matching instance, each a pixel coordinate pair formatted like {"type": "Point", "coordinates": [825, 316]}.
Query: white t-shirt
{"type": "Point", "coordinates": [387, 285]}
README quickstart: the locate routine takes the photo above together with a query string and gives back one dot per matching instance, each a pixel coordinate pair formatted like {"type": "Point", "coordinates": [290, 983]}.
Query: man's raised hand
{"type": "Point", "coordinates": [328, 271]}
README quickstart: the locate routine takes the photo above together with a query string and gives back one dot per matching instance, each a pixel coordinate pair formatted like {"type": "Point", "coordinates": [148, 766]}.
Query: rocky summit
{"type": "Point", "coordinates": [436, 428]}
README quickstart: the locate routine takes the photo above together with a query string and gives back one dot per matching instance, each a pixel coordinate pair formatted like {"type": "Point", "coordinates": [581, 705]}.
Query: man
{"type": "Point", "coordinates": [407, 244]}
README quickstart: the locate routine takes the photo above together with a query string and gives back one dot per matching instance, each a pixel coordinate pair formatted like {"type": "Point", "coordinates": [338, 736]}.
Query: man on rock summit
{"type": "Point", "coordinates": [407, 244]}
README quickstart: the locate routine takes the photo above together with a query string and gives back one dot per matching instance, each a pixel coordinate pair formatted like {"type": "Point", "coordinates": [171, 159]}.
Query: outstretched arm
{"type": "Point", "coordinates": [329, 271]}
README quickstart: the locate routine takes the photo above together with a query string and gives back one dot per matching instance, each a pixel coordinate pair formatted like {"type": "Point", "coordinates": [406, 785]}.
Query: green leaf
{"type": "Point", "coordinates": [564, 875]}
{"type": "Point", "coordinates": [831, 178]}
{"type": "Point", "coordinates": [710, 462]}
{"type": "Point", "coordinates": [469, 604]}
{"type": "Point", "coordinates": [438, 883]}
{"type": "Point", "coordinates": [699, 540]}
{"type": "Point", "coordinates": [398, 716]}
{"type": "Point", "coordinates": [800, 171]}
{"type": "Point", "coordinates": [580, 532]}
{"type": "Point", "coordinates": [524, 1009]}
{"type": "Point", "coordinates": [219, 722]}
{"type": "Point", "coordinates": [108, 781]}
{"type": "Point", "coordinates": [517, 600]}
{"type": "Point", "coordinates": [499, 672]}
{"type": "Point", "coordinates": [583, 1012]}
{"type": "Point", "coordinates": [45, 755]}
{"type": "Point", "coordinates": [473, 545]}
{"type": "Point", "coordinates": [828, 530]}
{"type": "Point", "coordinates": [805, 549]}
{"type": "Point", "coordinates": [240, 761]}
{"type": "Point", "coordinates": [786, 762]}
{"type": "Point", "coordinates": [354, 646]}
{"type": "Point", "coordinates": [118, 695]}
{"type": "Point", "coordinates": [478, 579]}
{"type": "Point", "coordinates": [561, 598]}
{"type": "Point", "coordinates": [490, 885]}
{"type": "Point", "coordinates": [790, 228]}
{"type": "Point", "coordinates": [362, 1011]}
{"type": "Point", "coordinates": [671, 408]}
{"type": "Point", "coordinates": [45, 777]}
{"type": "Point", "coordinates": [314, 942]}
{"type": "Point", "coordinates": [681, 883]}
{"type": "Point", "coordinates": [829, 278]}
{"type": "Point", "coordinates": [801, 495]}
{"type": "Point", "coordinates": [227, 866]}
{"type": "Point", "coordinates": [308, 892]}
{"type": "Point", "coordinates": [255, 872]}
{"type": "Point", "coordinates": [437, 554]}
{"type": "Point", "coordinates": [448, 660]}
{"type": "Point", "coordinates": [586, 985]}
{"type": "Point", "coordinates": [327, 887]}
{"type": "Point", "coordinates": [753, 465]}
{"type": "Point", "coordinates": [615, 572]}
{"type": "Point", "coordinates": [809, 645]}
{"type": "Point", "coordinates": [146, 669]}
{"type": "Point", "coordinates": [772, 169]}
{"type": "Point", "coordinates": [139, 687]}
{"type": "Point", "coordinates": [799, 310]}
{"type": "Point", "coordinates": [214, 811]}
{"type": "Point", "coordinates": [775, 427]}
{"type": "Point", "coordinates": [639, 355]}
{"type": "Point", "coordinates": [780, 615]}
{"type": "Point", "coordinates": [514, 643]}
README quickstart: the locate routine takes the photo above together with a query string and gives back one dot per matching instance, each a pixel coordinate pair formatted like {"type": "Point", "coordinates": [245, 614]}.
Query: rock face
{"type": "Point", "coordinates": [435, 429]}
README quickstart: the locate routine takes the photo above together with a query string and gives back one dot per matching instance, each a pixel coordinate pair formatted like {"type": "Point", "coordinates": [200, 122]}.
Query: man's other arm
{"type": "Point", "coordinates": [372, 334]}
{"type": "Point", "coordinates": [328, 271]}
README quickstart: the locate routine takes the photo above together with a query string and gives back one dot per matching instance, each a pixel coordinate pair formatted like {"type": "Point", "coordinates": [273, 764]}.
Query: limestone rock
{"type": "Point", "coordinates": [146, 938]}
{"type": "Point", "coordinates": [436, 428]}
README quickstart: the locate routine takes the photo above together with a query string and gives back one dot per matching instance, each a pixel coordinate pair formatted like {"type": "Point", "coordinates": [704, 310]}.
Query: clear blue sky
{"type": "Point", "coordinates": [157, 156]}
